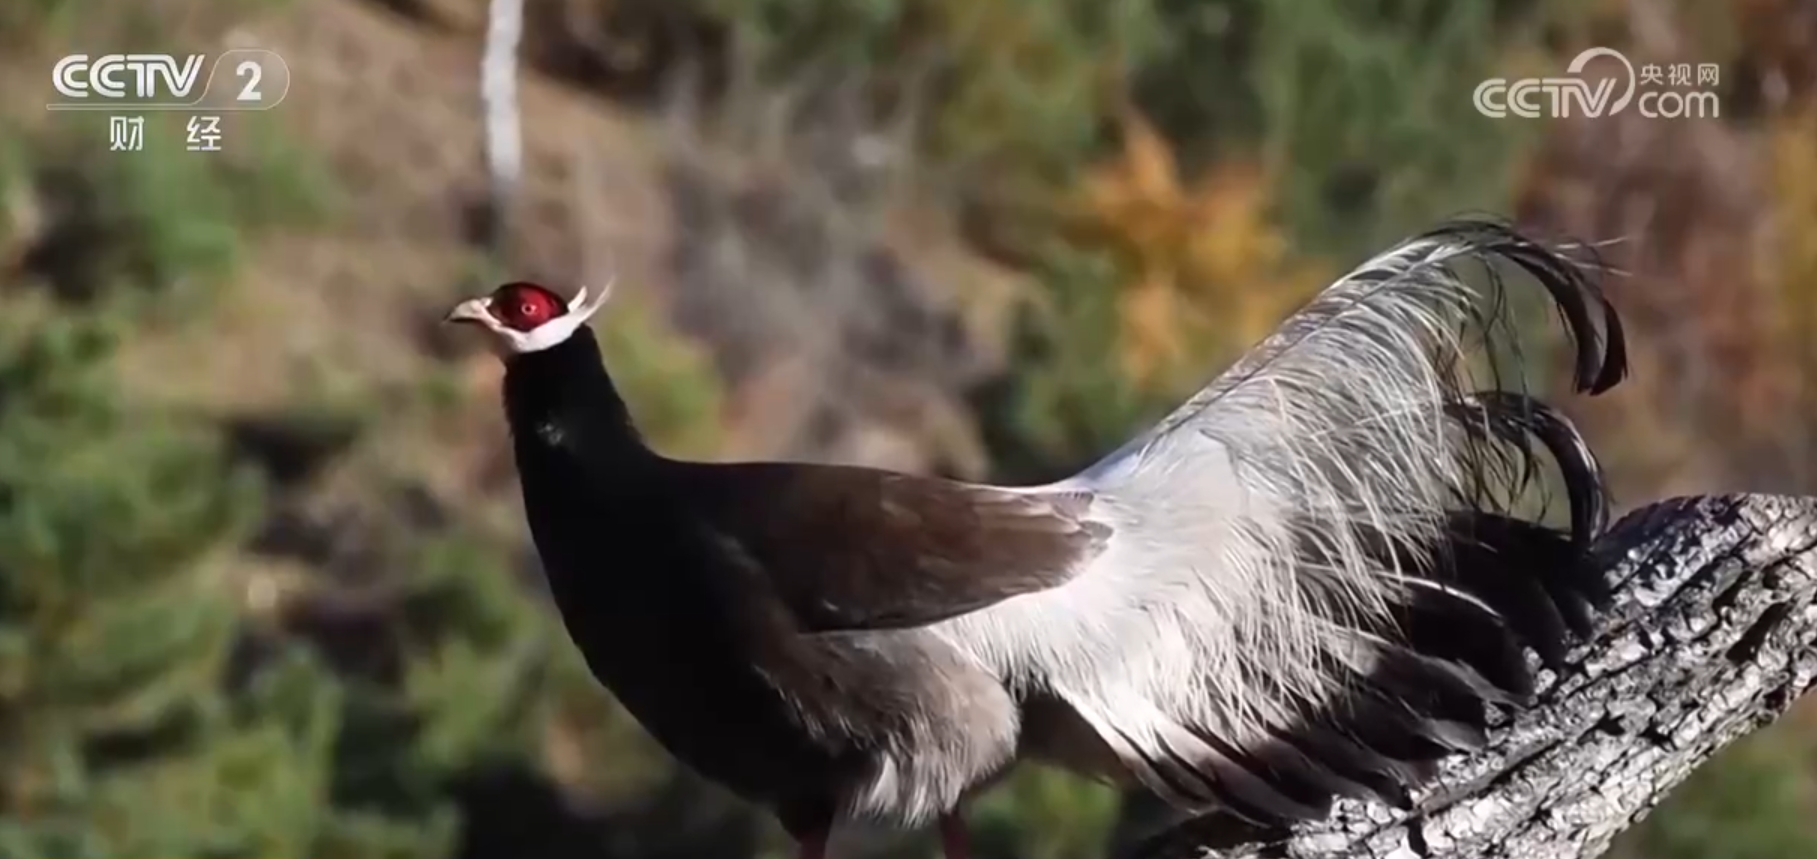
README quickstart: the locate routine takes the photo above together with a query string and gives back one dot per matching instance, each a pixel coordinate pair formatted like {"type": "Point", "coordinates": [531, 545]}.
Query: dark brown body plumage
{"type": "Point", "coordinates": [689, 591]}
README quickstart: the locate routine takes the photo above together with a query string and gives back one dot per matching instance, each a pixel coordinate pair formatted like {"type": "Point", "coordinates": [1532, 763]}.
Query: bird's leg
{"type": "Point", "coordinates": [812, 846]}
{"type": "Point", "coordinates": [953, 840]}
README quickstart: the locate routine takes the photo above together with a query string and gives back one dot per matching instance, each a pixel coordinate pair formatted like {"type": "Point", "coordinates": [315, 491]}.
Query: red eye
{"type": "Point", "coordinates": [524, 306]}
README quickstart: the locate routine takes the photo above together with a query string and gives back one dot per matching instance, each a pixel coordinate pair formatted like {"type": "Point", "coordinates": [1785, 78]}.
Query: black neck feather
{"type": "Point", "coordinates": [564, 395]}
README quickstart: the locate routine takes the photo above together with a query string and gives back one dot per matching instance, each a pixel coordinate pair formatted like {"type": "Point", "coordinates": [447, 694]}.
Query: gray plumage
{"type": "Point", "coordinates": [1244, 577]}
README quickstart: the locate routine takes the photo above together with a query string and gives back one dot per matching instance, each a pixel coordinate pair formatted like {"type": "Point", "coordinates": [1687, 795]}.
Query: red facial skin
{"type": "Point", "coordinates": [524, 306]}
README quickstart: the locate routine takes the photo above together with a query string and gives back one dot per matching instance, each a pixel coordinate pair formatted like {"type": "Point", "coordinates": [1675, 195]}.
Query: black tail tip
{"type": "Point", "coordinates": [1570, 271]}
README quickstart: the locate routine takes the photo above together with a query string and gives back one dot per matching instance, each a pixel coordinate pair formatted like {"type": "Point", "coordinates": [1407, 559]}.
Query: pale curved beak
{"type": "Point", "coordinates": [471, 310]}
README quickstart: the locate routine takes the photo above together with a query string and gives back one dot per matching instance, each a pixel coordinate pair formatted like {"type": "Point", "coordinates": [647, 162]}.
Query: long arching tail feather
{"type": "Point", "coordinates": [1318, 575]}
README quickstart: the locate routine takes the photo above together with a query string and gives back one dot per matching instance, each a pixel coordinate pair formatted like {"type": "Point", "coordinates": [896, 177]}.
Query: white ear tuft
{"type": "Point", "coordinates": [582, 308]}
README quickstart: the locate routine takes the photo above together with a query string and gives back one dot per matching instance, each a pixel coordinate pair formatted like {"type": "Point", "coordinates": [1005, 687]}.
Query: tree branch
{"type": "Point", "coordinates": [1712, 634]}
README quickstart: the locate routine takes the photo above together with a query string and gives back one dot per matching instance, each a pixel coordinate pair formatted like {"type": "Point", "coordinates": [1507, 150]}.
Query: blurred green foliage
{"type": "Point", "coordinates": [1020, 88]}
{"type": "Point", "coordinates": [111, 228]}
{"type": "Point", "coordinates": [1754, 805]}
{"type": "Point", "coordinates": [142, 714]}
{"type": "Point", "coordinates": [116, 634]}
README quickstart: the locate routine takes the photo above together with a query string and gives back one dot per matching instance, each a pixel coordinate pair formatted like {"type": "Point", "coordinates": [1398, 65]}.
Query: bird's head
{"type": "Point", "coordinates": [527, 317]}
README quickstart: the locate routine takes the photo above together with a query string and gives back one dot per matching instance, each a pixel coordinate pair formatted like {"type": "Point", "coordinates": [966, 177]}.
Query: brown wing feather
{"type": "Point", "coordinates": [859, 548]}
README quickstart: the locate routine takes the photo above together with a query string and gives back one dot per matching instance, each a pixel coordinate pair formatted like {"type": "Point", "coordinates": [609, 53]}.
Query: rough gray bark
{"type": "Point", "coordinates": [1712, 634]}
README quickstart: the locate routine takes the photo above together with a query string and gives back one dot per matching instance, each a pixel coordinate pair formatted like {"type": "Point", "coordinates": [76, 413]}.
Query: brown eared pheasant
{"type": "Point", "coordinates": [1307, 582]}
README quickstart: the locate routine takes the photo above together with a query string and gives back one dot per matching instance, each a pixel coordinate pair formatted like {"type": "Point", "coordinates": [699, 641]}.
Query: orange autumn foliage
{"type": "Point", "coordinates": [1209, 272]}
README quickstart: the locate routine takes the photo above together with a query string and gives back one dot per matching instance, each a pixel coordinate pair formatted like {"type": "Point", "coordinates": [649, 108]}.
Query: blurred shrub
{"type": "Point", "coordinates": [1750, 803]}
{"type": "Point", "coordinates": [25, 20]}
{"type": "Point", "coordinates": [1361, 111]}
{"type": "Point", "coordinates": [667, 378]}
{"type": "Point", "coordinates": [161, 220]}
{"type": "Point", "coordinates": [1015, 91]}
{"type": "Point", "coordinates": [1064, 404]}
{"type": "Point", "coordinates": [1367, 119]}
{"type": "Point", "coordinates": [116, 635]}
{"type": "Point", "coordinates": [129, 725]}
{"type": "Point", "coordinates": [140, 713]}
{"type": "Point", "coordinates": [1793, 273]}
{"type": "Point", "coordinates": [1209, 271]}
{"type": "Point", "coordinates": [1045, 814]}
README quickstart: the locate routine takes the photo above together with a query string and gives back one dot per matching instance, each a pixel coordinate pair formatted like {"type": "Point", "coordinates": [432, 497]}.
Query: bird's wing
{"type": "Point", "coordinates": [858, 548]}
{"type": "Point", "coordinates": [1316, 573]}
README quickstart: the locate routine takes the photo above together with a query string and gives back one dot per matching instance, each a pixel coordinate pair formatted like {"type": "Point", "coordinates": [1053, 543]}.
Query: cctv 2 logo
{"type": "Point", "coordinates": [255, 79]}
